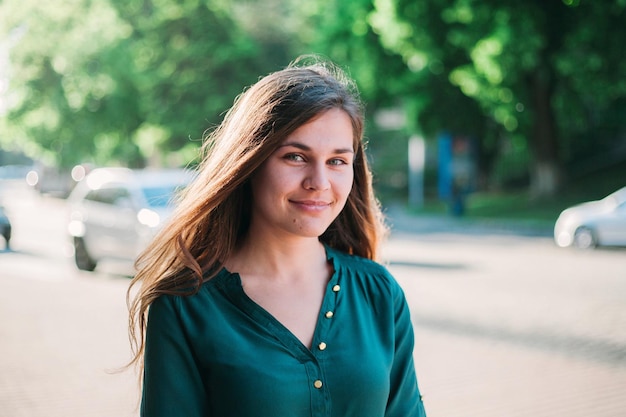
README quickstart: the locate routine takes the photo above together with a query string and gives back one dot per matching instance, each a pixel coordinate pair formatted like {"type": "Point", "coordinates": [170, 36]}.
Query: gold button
{"type": "Point", "coordinates": [322, 346]}
{"type": "Point", "coordinates": [318, 384]}
{"type": "Point", "coordinates": [329, 314]}
{"type": "Point", "coordinates": [336, 288]}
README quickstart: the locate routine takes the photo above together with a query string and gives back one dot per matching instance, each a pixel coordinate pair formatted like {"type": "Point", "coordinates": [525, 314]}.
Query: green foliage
{"type": "Point", "coordinates": [539, 70]}
{"type": "Point", "coordinates": [139, 81]}
{"type": "Point", "coordinates": [57, 80]}
{"type": "Point", "coordinates": [187, 62]}
{"type": "Point", "coordinates": [121, 81]}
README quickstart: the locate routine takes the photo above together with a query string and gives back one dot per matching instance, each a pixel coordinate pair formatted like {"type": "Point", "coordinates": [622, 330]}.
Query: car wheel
{"type": "Point", "coordinates": [84, 262]}
{"type": "Point", "coordinates": [584, 238]}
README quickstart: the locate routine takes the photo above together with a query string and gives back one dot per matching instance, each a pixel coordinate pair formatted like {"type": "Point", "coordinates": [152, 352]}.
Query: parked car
{"type": "Point", "coordinates": [50, 181]}
{"type": "Point", "coordinates": [115, 212]}
{"type": "Point", "coordinates": [5, 227]}
{"type": "Point", "coordinates": [595, 223]}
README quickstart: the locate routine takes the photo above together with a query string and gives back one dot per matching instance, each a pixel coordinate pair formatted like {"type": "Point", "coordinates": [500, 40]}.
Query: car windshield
{"type": "Point", "coordinates": [159, 196]}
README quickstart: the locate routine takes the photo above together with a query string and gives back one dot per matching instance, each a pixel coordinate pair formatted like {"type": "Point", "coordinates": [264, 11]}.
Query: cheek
{"type": "Point", "coordinates": [344, 185]}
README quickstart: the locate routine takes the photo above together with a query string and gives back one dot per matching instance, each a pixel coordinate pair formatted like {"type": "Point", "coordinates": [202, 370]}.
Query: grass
{"type": "Point", "coordinates": [521, 206]}
{"type": "Point", "coordinates": [503, 207]}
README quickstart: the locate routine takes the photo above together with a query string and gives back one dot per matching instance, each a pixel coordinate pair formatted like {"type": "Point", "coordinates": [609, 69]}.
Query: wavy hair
{"type": "Point", "coordinates": [213, 213]}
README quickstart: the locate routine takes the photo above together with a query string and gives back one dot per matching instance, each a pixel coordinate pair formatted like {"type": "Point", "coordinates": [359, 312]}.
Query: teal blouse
{"type": "Point", "coordinates": [218, 353]}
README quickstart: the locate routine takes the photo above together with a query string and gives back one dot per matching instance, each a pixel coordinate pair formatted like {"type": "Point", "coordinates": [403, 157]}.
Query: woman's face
{"type": "Point", "coordinates": [302, 187]}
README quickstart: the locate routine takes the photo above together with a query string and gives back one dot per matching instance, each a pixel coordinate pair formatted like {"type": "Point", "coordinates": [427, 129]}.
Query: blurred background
{"type": "Point", "coordinates": [486, 120]}
{"type": "Point", "coordinates": [520, 104]}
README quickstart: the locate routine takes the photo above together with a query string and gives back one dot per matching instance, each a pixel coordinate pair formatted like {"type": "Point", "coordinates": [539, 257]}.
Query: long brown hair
{"type": "Point", "coordinates": [212, 215]}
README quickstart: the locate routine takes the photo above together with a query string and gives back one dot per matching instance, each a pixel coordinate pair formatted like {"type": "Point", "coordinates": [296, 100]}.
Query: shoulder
{"type": "Point", "coordinates": [189, 297]}
{"type": "Point", "coordinates": [366, 271]}
{"type": "Point", "coordinates": [356, 263]}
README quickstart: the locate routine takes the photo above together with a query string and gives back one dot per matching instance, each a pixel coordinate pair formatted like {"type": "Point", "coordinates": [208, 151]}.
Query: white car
{"type": "Point", "coordinates": [115, 212]}
{"type": "Point", "coordinates": [595, 223]}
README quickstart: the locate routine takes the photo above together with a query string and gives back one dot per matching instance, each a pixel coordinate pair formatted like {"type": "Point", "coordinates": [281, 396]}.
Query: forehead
{"type": "Point", "coordinates": [332, 128]}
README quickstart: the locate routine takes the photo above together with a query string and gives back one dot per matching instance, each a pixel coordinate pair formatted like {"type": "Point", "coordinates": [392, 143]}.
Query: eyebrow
{"type": "Point", "coordinates": [308, 148]}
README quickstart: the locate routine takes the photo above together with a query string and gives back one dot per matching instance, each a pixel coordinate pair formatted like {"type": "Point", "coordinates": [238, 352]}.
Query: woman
{"type": "Point", "coordinates": [262, 296]}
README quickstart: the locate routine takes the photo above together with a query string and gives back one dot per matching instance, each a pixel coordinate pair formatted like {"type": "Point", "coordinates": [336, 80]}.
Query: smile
{"type": "Point", "coordinates": [311, 204]}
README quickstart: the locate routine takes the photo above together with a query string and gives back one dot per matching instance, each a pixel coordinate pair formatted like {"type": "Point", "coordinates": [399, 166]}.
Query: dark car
{"type": "Point", "coordinates": [5, 226]}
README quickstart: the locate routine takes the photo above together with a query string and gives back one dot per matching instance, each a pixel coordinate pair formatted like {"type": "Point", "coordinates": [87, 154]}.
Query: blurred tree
{"type": "Point", "coordinates": [279, 43]}
{"type": "Point", "coordinates": [121, 81]}
{"type": "Point", "coordinates": [188, 61]}
{"type": "Point", "coordinates": [590, 96]}
{"type": "Point", "coordinates": [421, 101]}
{"type": "Point", "coordinates": [129, 81]}
{"type": "Point", "coordinates": [518, 61]}
{"type": "Point", "coordinates": [57, 79]}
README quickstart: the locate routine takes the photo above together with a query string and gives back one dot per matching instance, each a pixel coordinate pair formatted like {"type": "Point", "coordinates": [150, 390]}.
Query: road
{"type": "Point", "coordinates": [506, 324]}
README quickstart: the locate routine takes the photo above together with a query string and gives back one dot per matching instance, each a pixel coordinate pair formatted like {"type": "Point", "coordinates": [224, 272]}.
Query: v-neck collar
{"type": "Point", "coordinates": [231, 285]}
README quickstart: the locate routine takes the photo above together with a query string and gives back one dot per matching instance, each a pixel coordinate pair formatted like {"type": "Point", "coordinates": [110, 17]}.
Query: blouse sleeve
{"type": "Point", "coordinates": [172, 382]}
{"type": "Point", "coordinates": [404, 398]}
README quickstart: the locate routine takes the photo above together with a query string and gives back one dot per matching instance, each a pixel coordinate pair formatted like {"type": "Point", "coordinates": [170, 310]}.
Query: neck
{"type": "Point", "coordinates": [277, 257]}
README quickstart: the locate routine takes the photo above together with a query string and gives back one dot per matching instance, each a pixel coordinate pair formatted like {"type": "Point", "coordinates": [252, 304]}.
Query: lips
{"type": "Point", "coordinates": [311, 204]}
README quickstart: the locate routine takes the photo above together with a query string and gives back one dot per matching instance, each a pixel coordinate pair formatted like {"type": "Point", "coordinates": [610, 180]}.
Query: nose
{"type": "Point", "coordinates": [317, 178]}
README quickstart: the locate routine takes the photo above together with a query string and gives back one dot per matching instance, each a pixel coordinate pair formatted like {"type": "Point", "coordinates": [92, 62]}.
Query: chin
{"type": "Point", "coordinates": [310, 231]}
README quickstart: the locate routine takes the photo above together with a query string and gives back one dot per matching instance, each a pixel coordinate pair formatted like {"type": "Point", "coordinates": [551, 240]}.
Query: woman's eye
{"type": "Point", "coordinates": [337, 161]}
{"type": "Point", "coordinates": [294, 157]}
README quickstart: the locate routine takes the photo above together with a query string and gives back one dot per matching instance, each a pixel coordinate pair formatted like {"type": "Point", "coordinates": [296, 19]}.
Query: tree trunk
{"type": "Point", "coordinates": [545, 174]}
{"type": "Point", "coordinates": [554, 21]}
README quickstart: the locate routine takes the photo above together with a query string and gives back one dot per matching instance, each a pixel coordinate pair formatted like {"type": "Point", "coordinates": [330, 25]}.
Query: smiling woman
{"type": "Point", "coordinates": [301, 188]}
{"type": "Point", "coordinates": [262, 296]}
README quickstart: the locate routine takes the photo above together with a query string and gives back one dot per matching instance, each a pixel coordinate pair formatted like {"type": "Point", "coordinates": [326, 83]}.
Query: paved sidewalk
{"type": "Point", "coordinates": [507, 325]}
{"type": "Point", "coordinates": [464, 376]}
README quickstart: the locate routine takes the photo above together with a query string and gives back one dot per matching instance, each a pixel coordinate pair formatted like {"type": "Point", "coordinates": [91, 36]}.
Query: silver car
{"type": "Point", "coordinates": [115, 212]}
{"type": "Point", "coordinates": [595, 223]}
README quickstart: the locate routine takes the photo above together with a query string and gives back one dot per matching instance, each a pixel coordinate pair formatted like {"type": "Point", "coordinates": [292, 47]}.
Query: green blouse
{"type": "Point", "coordinates": [218, 353]}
